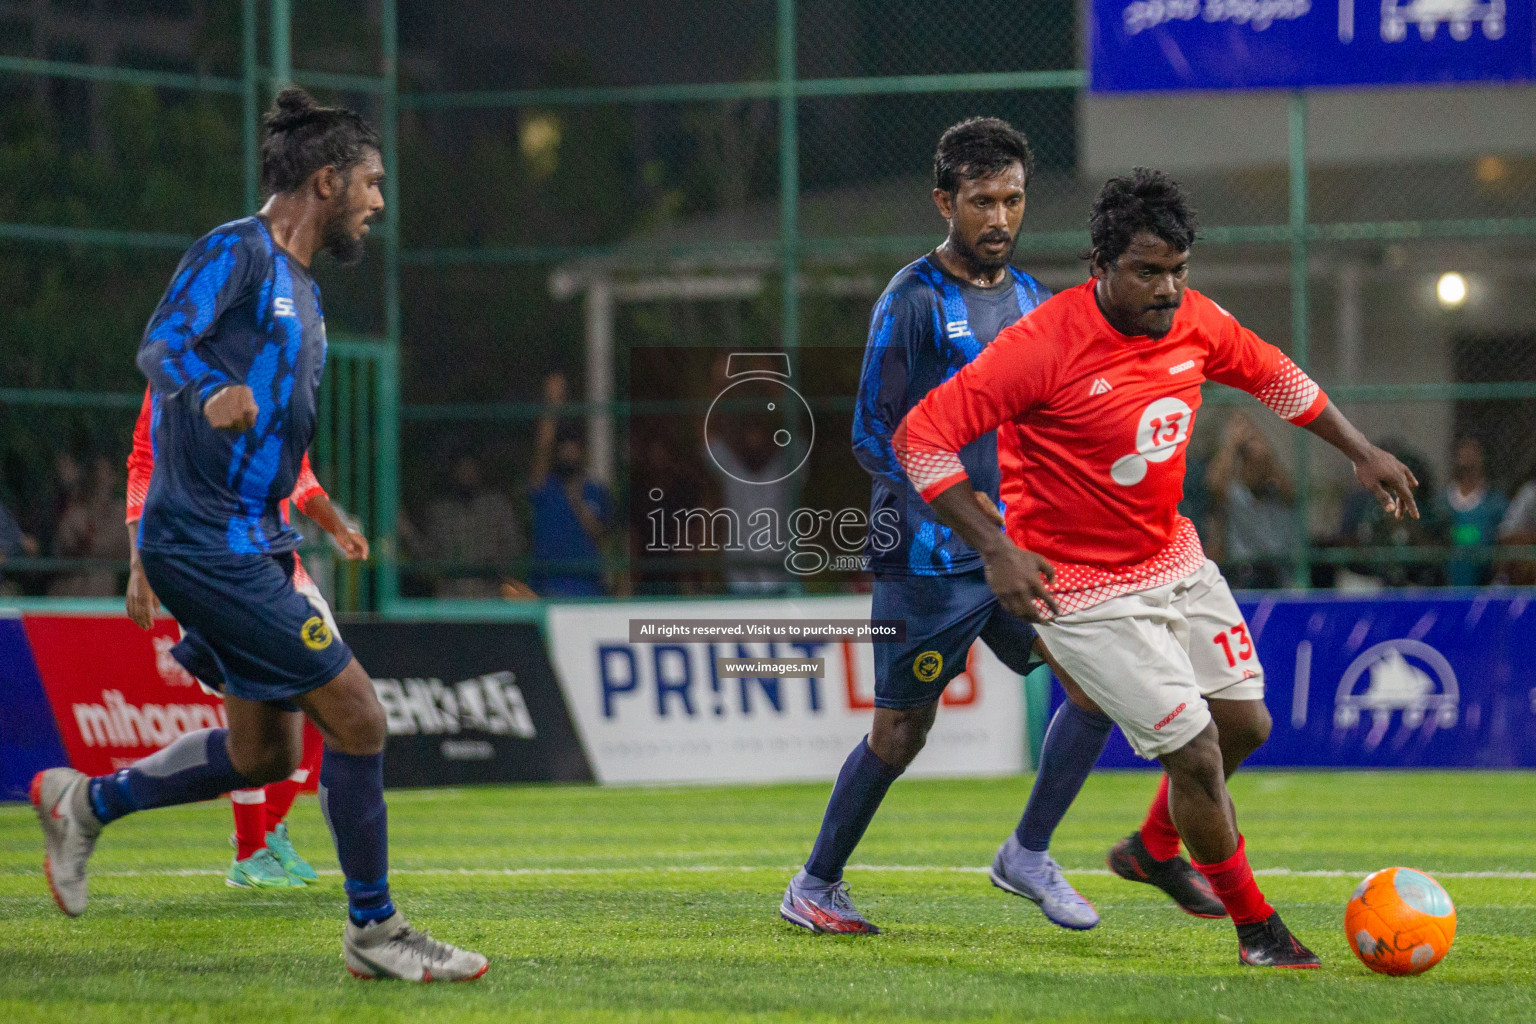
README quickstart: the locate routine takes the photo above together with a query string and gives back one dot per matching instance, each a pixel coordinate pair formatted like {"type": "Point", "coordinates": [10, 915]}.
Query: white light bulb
{"type": "Point", "coordinates": [1451, 290]}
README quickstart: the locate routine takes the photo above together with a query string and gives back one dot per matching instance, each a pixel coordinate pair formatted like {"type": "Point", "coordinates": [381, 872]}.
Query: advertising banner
{"type": "Point", "coordinates": [468, 702]}
{"type": "Point", "coordinates": [1391, 682]}
{"type": "Point", "coordinates": [117, 694]}
{"type": "Point", "coordinates": [1140, 45]}
{"type": "Point", "coordinates": [29, 742]}
{"type": "Point", "coordinates": [666, 711]}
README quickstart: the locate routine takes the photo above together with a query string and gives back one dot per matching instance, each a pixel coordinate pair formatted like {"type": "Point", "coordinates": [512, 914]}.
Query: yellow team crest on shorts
{"type": "Point", "coordinates": [928, 666]}
{"type": "Point", "coordinates": [316, 634]}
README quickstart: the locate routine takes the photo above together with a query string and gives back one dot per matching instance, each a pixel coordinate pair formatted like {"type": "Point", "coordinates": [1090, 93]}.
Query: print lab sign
{"type": "Point", "coordinates": [661, 712]}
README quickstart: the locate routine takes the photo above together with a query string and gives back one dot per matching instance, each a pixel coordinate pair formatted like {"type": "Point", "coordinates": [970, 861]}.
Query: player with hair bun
{"type": "Point", "coordinates": [234, 354]}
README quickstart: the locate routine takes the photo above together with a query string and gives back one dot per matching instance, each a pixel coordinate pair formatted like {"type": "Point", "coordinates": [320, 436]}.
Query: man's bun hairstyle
{"type": "Point", "coordinates": [980, 147]}
{"type": "Point", "coordinates": [1146, 200]}
{"type": "Point", "coordinates": [299, 137]}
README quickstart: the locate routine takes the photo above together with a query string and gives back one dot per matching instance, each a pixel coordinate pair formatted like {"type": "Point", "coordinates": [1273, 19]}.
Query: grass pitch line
{"type": "Point", "coordinates": [719, 869]}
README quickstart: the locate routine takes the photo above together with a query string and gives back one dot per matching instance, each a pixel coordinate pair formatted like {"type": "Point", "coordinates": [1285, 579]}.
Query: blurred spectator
{"type": "Point", "coordinates": [1519, 527]}
{"type": "Point", "coordinates": [13, 544]}
{"type": "Point", "coordinates": [91, 526]}
{"type": "Point", "coordinates": [1366, 525]}
{"type": "Point", "coordinates": [1469, 514]}
{"type": "Point", "coordinates": [1251, 526]}
{"type": "Point", "coordinates": [661, 483]}
{"type": "Point", "coordinates": [571, 512]}
{"type": "Point", "coordinates": [754, 478]}
{"type": "Point", "coordinates": [68, 492]}
{"type": "Point", "coordinates": [474, 529]}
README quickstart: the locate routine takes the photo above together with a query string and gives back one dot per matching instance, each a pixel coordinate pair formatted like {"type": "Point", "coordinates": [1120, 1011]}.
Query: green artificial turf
{"type": "Point", "coordinates": [600, 905]}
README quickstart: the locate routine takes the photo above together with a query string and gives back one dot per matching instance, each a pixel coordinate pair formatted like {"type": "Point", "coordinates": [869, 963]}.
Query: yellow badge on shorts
{"type": "Point", "coordinates": [316, 634]}
{"type": "Point", "coordinates": [928, 666]}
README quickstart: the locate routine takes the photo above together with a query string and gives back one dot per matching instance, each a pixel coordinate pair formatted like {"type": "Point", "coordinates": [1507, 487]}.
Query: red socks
{"type": "Point", "coordinates": [280, 795]}
{"type": "Point", "coordinates": [1239, 893]}
{"type": "Point", "coordinates": [1158, 833]}
{"type": "Point", "coordinates": [250, 821]}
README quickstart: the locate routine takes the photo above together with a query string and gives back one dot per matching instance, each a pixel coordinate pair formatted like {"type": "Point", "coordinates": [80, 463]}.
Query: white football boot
{"type": "Point", "coordinates": [62, 797]}
{"type": "Point", "coordinates": [391, 948]}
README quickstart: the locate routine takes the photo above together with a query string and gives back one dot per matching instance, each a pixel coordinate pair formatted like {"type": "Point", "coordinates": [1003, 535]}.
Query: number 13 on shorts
{"type": "Point", "coordinates": [1221, 647]}
{"type": "Point", "coordinates": [1235, 644]}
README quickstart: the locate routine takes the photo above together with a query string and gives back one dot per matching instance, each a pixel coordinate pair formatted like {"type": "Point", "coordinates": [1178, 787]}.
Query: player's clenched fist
{"type": "Point", "coordinates": [1019, 579]}
{"type": "Point", "coordinates": [233, 409]}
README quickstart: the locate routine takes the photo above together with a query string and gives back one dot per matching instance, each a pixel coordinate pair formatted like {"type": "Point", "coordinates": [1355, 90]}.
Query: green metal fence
{"type": "Point", "coordinates": [827, 105]}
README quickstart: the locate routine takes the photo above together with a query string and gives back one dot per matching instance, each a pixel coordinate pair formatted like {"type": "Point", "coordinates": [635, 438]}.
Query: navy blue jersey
{"type": "Point", "coordinates": [926, 325]}
{"type": "Point", "coordinates": [240, 310]}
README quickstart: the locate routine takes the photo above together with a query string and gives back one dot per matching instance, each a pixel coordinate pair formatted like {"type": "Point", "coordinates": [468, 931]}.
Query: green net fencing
{"type": "Point", "coordinates": [625, 196]}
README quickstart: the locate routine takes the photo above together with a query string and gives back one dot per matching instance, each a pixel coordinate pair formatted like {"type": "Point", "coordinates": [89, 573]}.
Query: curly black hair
{"type": "Point", "coordinates": [300, 137]}
{"type": "Point", "coordinates": [979, 148]}
{"type": "Point", "coordinates": [1148, 200]}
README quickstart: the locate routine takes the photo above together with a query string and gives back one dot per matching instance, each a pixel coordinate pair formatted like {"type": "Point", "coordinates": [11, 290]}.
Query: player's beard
{"type": "Point", "coordinates": [338, 240]}
{"type": "Point", "coordinates": [975, 261]}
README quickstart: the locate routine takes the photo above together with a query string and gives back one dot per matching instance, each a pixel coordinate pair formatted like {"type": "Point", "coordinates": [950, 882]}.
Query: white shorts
{"type": "Point", "coordinates": [1152, 658]}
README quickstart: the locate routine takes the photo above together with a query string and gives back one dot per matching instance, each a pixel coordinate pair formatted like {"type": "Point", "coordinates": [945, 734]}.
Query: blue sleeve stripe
{"type": "Point", "coordinates": [1029, 292]}
{"type": "Point", "coordinates": [193, 305]}
{"type": "Point", "coordinates": [938, 327]}
{"type": "Point", "coordinates": [253, 469]}
{"type": "Point", "coordinates": [871, 432]}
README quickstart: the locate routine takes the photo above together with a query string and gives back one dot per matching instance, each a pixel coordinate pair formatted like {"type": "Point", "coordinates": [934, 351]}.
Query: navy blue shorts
{"type": "Point", "coordinates": [944, 616]}
{"type": "Point", "coordinates": [248, 632]}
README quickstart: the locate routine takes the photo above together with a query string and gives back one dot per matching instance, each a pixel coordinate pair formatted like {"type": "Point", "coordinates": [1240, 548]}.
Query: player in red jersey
{"type": "Point", "coordinates": [264, 854]}
{"type": "Point", "coordinates": [1094, 395]}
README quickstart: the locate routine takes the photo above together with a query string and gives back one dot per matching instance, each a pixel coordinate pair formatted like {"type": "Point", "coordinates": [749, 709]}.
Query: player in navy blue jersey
{"type": "Point", "coordinates": [935, 316]}
{"type": "Point", "coordinates": [234, 354]}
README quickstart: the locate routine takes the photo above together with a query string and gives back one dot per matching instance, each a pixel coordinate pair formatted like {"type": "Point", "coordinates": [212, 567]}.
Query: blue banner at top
{"type": "Point", "coordinates": [1163, 45]}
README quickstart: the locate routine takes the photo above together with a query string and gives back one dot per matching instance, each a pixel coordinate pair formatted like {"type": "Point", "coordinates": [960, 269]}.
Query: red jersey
{"type": "Point", "coordinates": [141, 465]}
{"type": "Point", "coordinates": [1092, 426]}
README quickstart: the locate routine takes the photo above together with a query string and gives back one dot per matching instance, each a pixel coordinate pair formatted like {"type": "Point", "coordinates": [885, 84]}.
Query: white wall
{"type": "Point", "coordinates": [1220, 131]}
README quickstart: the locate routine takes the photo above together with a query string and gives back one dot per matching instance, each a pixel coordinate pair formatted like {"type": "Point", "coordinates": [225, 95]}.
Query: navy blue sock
{"type": "Point", "coordinates": [860, 787]}
{"type": "Point", "coordinates": [1073, 742]}
{"type": "Point", "coordinates": [352, 800]}
{"type": "Point", "coordinates": [195, 767]}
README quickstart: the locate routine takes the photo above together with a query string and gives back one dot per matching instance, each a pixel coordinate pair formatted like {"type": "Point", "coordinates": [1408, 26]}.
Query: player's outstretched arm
{"type": "Point", "coordinates": [1241, 359]}
{"type": "Point", "coordinates": [351, 542]}
{"type": "Point", "coordinates": [312, 500]}
{"type": "Point", "coordinates": [1016, 576]}
{"type": "Point", "coordinates": [141, 602]}
{"type": "Point", "coordinates": [1378, 471]}
{"type": "Point", "coordinates": [996, 386]}
{"type": "Point", "coordinates": [544, 433]}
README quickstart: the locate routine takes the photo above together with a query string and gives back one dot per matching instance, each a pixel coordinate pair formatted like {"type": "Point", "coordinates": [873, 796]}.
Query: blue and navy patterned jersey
{"type": "Point", "coordinates": [240, 310]}
{"type": "Point", "coordinates": [926, 326]}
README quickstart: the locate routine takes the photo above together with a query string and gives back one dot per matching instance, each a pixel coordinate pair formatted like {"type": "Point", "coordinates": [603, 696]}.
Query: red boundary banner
{"type": "Point", "coordinates": [116, 692]}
